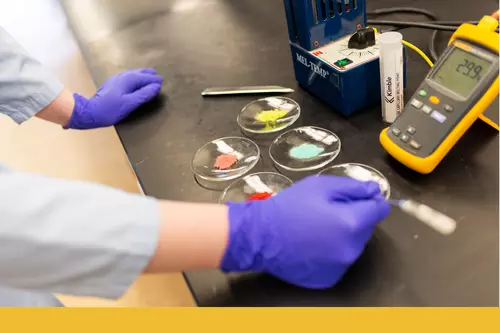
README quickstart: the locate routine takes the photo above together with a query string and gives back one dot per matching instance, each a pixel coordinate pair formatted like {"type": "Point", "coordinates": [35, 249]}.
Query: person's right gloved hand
{"type": "Point", "coordinates": [307, 235]}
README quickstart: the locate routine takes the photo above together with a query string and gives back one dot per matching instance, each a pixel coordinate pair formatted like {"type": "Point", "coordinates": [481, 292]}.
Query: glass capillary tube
{"type": "Point", "coordinates": [432, 218]}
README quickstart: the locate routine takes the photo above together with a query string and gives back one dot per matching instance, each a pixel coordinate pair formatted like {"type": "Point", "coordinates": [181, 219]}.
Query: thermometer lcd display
{"type": "Point", "coordinates": [461, 72]}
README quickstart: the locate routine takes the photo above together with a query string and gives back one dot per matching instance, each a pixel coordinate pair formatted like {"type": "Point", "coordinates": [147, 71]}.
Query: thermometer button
{"type": "Point", "coordinates": [415, 145]}
{"type": "Point", "coordinates": [434, 100]}
{"type": "Point", "coordinates": [405, 137]}
{"type": "Point", "coordinates": [416, 103]}
{"type": "Point", "coordinates": [438, 116]}
{"type": "Point", "coordinates": [448, 108]}
{"type": "Point", "coordinates": [411, 130]}
{"type": "Point", "coordinates": [396, 131]}
{"type": "Point", "coordinates": [426, 109]}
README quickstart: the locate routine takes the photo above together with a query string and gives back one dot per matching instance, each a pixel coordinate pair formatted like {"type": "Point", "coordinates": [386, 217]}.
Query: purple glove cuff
{"type": "Point", "coordinates": [81, 118]}
{"type": "Point", "coordinates": [245, 246]}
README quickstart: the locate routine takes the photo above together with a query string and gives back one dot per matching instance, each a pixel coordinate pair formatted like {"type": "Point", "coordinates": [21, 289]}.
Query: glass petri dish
{"type": "Point", "coordinates": [360, 172]}
{"type": "Point", "coordinates": [225, 159]}
{"type": "Point", "coordinates": [268, 115]}
{"type": "Point", "coordinates": [249, 186]}
{"type": "Point", "coordinates": [304, 149]}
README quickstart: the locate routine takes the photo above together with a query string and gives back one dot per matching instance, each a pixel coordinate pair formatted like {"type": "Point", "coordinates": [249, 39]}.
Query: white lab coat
{"type": "Point", "coordinates": [61, 236]}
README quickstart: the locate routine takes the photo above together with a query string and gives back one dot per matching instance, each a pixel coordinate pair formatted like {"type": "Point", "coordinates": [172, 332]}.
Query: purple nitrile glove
{"type": "Point", "coordinates": [116, 99]}
{"type": "Point", "coordinates": [307, 235]}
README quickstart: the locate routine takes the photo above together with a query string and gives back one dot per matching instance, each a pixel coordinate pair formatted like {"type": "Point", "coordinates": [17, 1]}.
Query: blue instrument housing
{"type": "Point", "coordinates": [347, 92]}
{"type": "Point", "coordinates": [313, 24]}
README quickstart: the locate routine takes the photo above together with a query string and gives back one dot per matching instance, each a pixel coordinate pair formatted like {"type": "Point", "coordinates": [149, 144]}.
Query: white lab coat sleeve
{"type": "Point", "coordinates": [73, 237]}
{"type": "Point", "coordinates": [25, 86]}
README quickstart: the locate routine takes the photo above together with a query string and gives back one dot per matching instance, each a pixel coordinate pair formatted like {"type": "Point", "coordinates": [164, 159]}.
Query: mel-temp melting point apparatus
{"type": "Point", "coordinates": [335, 56]}
{"type": "Point", "coordinates": [338, 59]}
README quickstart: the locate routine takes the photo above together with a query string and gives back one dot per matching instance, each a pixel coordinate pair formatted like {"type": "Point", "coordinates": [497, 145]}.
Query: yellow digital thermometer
{"type": "Point", "coordinates": [457, 90]}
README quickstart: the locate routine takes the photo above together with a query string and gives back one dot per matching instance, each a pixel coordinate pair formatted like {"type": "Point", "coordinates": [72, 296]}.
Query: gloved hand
{"type": "Point", "coordinates": [308, 234]}
{"type": "Point", "coordinates": [116, 99]}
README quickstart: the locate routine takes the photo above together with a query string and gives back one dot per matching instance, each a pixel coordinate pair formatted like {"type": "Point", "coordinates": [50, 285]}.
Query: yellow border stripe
{"type": "Point", "coordinates": [255, 320]}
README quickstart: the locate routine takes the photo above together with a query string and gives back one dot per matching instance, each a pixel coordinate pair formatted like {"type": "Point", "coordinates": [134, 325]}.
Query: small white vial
{"type": "Point", "coordinates": [391, 75]}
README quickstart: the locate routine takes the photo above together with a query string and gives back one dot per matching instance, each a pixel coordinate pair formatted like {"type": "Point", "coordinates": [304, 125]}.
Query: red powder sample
{"type": "Point", "coordinates": [259, 196]}
{"type": "Point", "coordinates": [225, 161]}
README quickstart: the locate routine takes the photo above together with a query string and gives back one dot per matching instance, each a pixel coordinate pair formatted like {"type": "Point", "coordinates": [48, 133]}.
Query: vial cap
{"type": "Point", "coordinates": [390, 38]}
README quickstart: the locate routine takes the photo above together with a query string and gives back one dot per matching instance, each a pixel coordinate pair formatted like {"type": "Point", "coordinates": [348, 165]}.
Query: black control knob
{"type": "Point", "coordinates": [362, 39]}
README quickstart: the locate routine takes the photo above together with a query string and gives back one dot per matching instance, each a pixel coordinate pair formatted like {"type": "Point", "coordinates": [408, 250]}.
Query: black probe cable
{"type": "Point", "coordinates": [422, 25]}
{"type": "Point", "coordinates": [432, 42]}
{"type": "Point", "coordinates": [432, 46]}
{"type": "Point", "coordinates": [408, 10]}
{"type": "Point", "coordinates": [454, 23]}
{"type": "Point", "coordinates": [432, 26]}
{"type": "Point", "coordinates": [435, 25]}
{"type": "Point", "coordinates": [412, 10]}
{"type": "Point", "coordinates": [420, 11]}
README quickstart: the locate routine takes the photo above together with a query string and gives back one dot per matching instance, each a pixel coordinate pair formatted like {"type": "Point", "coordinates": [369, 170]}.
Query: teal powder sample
{"type": "Point", "coordinates": [305, 151]}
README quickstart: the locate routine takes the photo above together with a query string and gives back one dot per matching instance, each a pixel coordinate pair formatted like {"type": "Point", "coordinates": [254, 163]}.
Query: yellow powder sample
{"type": "Point", "coordinates": [269, 117]}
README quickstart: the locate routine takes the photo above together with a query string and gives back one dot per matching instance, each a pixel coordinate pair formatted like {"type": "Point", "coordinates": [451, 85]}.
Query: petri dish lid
{"type": "Point", "coordinates": [360, 172]}
{"type": "Point", "coordinates": [258, 183]}
{"type": "Point", "coordinates": [225, 159]}
{"type": "Point", "coordinates": [305, 148]}
{"type": "Point", "coordinates": [268, 115]}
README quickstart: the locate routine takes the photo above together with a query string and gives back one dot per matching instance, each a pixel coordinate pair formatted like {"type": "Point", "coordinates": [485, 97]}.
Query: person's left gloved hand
{"type": "Point", "coordinates": [115, 99]}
